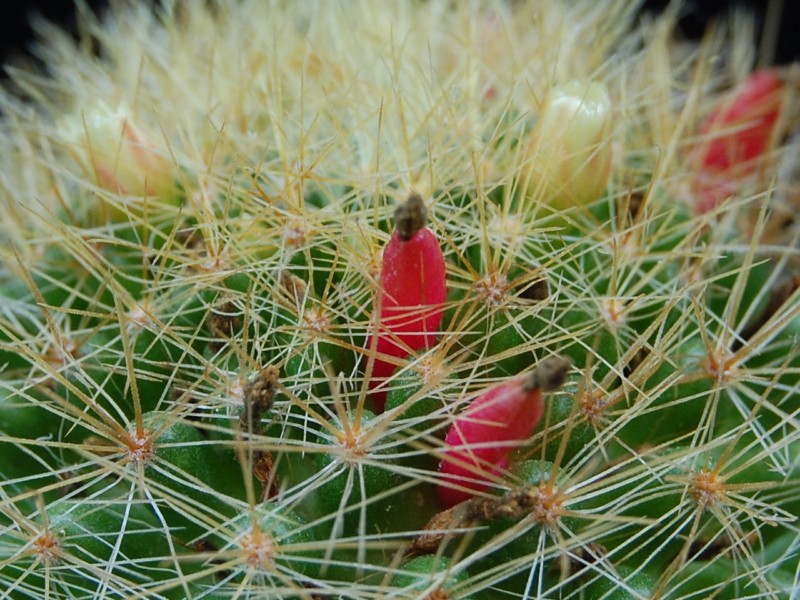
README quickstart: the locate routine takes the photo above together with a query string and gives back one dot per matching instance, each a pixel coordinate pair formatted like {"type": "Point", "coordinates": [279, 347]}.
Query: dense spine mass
{"type": "Point", "coordinates": [433, 300]}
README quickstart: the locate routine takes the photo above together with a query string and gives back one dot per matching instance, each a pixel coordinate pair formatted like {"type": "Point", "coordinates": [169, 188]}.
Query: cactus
{"type": "Point", "coordinates": [196, 199]}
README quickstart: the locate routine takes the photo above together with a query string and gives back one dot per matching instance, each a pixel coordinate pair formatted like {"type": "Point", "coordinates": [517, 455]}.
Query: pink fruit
{"type": "Point", "coordinates": [481, 438]}
{"type": "Point", "coordinates": [735, 137]}
{"type": "Point", "coordinates": [411, 291]}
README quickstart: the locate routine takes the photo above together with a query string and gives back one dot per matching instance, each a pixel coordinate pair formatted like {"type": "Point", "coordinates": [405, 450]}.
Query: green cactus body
{"type": "Point", "coordinates": [410, 394]}
{"type": "Point", "coordinates": [90, 532]}
{"type": "Point", "coordinates": [185, 464]}
{"type": "Point", "coordinates": [352, 478]}
{"type": "Point", "coordinates": [291, 538]}
{"type": "Point", "coordinates": [626, 584]}
{"type": "Point", "coordinates": [417, 574]}
{"type": "Point", "coordinates": [22, 422]}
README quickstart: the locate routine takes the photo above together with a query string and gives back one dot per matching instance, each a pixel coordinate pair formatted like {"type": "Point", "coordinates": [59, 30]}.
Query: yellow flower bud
{"type": "Point", "coordinates": [569, 160]}
{"type": "Point", "coordinates": [123, 158]}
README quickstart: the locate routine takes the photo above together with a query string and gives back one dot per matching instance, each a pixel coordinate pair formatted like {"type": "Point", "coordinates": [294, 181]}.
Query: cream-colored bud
{"type": "Point", "coordinates": [569, 158]}
{"type": "Point", "coordinates": [118, 152]}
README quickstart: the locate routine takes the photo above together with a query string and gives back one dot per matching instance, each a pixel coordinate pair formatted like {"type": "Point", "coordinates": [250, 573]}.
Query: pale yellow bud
{"type": "Point", "coordinates": [569, 159]}
{"type": "Point", "coordinates": [119, 153]}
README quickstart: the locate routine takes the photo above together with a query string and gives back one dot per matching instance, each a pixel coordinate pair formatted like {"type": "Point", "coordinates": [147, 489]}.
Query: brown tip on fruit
{"type": "Point", "coordinates": [549, 375]}
{"type": "Point", "coordinates": [410, 216]}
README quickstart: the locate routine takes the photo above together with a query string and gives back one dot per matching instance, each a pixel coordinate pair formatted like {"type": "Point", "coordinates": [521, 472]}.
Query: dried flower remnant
{"type": "Point", "coordinates": [223, 322]}
{"type": "Point", "coordinates": [259, 396]}
{"type": "Point", "coordinates": [540, 501]}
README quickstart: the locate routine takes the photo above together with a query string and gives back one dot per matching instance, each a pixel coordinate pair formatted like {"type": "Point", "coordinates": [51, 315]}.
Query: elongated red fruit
{"type": "Point", "coordinates": [481, 438]}
{"type": "Point", "coordinates": [736, 136]}
{"type": "Point", "coordinates": [411, 291]}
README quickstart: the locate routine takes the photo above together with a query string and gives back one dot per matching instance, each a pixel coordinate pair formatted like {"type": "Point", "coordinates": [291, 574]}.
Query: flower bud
{"type": "Point", "coordinates": [122, 157]}
{"type": "Point", "coordinates": [570, 156]}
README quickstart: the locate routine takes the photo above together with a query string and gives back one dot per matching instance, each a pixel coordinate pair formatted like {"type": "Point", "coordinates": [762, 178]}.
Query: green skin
{"type": "Point", "coordinates": [781, 356]}
{"type": "Point", "coordinates": [577, 435]}
{"type": "Point", "coordinates": [702, 578]}
{"type": "Point", "coordinates": [636, 585]}
{"type": "Point", "coordinates": [652, 501]}
{"type": "Point", "coordinates": [303, 353]}
{"type": "Point", "coordinates": [88, 533]}
{"type": "Point", "coordinates": [406, 393]}
{"type": "Point", "coordinates": [680, 408]}
{"type": "Point", "coordinates": [498, 333]}
{"type": "Point", "coordinates": [21, 418]}
{"type": "Point", "coordinates": [511, 330]}
{"type": "Point", "coordinates": [180, 452]}
{"type": "Point", "coordinates": [292, 536]}
{"type": "Point", "coordinates": [423, 413]}
{"type": "Point", "coordinates": [91, 531]}
{"type": "Point", "coordinates": [416, 575]}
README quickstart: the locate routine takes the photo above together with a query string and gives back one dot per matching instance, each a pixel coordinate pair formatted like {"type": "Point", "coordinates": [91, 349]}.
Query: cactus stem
{"type": "Point", "coordinates": [204, 297]}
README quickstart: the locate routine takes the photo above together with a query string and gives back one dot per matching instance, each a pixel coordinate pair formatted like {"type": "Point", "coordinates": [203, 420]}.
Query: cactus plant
{"type": "Point", "coordinates": [196, 202]}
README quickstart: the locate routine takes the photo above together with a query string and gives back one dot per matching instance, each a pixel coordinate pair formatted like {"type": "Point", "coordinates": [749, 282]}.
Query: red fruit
{"type": "Point", "coordinates": [481, 438]}
{"type": "Point", "coordinates": [411, 291]}
{"type": "Point", "coordinates": [736, 136]}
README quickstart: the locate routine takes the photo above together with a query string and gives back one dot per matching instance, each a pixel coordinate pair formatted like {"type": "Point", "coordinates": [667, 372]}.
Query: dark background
{"type": "Point", "coordinates": [698, 13]}
{"type": "Point", "coordinates": [15, 34]}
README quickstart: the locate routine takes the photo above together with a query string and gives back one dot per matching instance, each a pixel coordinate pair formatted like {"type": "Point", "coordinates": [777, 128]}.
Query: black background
{"type": "Point", "coordinates": [15, 33]}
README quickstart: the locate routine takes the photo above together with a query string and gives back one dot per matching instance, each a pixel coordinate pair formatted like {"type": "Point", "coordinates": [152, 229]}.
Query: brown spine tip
{"type": "Point", "coordinates": [549, 375]}
{"type": "Point", "coordinates": [410, 216]}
